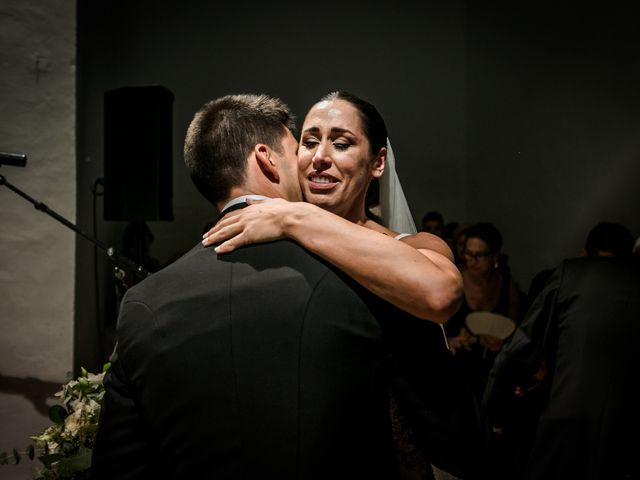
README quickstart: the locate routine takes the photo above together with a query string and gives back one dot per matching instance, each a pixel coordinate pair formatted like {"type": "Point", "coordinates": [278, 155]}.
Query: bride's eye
{"type": "Point", "coordinates": [310, 143]}
{"type": "Point", "coordinates": [341, 146]}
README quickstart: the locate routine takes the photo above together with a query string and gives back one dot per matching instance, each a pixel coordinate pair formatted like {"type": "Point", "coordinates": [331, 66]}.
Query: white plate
{"type": "Point", "coordinates": [489, 323]}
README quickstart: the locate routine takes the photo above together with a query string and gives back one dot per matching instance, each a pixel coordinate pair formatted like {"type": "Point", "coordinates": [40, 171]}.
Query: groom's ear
{"type": "Point", "coordinates": [377, 169]}
{"type": "Point", "coordinates": [264, 159]}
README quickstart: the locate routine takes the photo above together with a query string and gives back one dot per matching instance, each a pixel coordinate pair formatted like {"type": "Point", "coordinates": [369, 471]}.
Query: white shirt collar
{"type": "Point", "coordinates": [241, 199]}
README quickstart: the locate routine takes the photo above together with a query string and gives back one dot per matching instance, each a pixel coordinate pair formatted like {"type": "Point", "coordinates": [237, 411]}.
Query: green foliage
{"type": "Point", "coordinates": [57, 414]}
{"type": "Point", "coordinates": [65, 447]}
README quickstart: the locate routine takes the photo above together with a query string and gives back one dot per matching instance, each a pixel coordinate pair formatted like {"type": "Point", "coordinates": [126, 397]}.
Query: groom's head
{"type": "Point", "coordinates": [243, 144]}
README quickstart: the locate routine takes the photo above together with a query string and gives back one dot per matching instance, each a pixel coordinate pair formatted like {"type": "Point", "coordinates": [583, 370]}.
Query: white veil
{"type": "Point", "coordinates": [394, 209]}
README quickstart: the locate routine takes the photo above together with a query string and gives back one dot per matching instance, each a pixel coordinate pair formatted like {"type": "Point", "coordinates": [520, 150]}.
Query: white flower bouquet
{"type": "Point", "coordinates": [65, 447]}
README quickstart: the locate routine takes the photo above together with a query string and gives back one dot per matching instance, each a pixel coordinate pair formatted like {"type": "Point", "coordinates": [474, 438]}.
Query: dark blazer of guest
{"type": "Point", "coordinates": [585, 324]}
{"type": "Point", "coordinates": [262, 363]}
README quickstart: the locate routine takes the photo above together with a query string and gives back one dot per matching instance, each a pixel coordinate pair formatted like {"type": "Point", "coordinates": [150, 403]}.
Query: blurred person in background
{"type": "Point", "coordinates": [574, 358]}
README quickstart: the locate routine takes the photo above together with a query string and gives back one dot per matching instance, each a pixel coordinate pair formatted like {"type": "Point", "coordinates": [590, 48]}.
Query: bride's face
{"type": "Point", "coordinates": [334, 159]}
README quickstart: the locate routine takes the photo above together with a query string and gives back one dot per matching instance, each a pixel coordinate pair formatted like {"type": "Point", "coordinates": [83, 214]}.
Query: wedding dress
{"type": "Point", "coordinates": [396, 215]}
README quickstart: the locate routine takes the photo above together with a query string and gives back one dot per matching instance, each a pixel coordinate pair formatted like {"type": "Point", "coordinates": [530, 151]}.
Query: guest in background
{"type": "Point", "coordinates": [433, 222]}
{"type": "Point", "coordinates": [486, 289]}
{"type": "Point", "coordinates": [448, 231]}
{"type": "Point", "coordinates": [583, 328]}
{"type": "Point", "coordinates": [458, 239]}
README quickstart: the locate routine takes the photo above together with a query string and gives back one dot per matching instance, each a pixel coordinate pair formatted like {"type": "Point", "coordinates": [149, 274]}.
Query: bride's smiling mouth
{"type": "Point", "coordinates": [322, 182]}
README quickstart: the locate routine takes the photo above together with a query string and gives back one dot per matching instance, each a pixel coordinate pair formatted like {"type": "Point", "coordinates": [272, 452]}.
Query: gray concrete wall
{"type": "Point", "coordinates": [37, 104]}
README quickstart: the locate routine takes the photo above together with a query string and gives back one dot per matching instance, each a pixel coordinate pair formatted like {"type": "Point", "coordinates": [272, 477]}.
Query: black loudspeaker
{"type": "Point", "coordinates": [137, 153]}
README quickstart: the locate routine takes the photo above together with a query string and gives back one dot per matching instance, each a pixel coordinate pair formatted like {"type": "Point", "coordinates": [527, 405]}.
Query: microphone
{"type": "Point", "coordinates": [13, 159]}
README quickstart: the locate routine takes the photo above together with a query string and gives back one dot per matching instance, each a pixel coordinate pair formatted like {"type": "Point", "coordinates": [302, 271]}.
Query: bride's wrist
{"type": "Point", "coordinates": [296, 219]}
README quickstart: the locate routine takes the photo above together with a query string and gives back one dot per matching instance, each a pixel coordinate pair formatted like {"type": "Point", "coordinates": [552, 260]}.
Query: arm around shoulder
{"type": "Point", "coordinates": [416, 274]}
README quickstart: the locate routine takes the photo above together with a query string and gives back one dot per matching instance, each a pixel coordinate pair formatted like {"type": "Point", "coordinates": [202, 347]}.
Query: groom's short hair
{"type": "Point", "coordinates": [223, 132]}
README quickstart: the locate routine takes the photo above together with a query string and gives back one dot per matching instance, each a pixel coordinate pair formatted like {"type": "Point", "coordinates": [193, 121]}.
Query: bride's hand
{"type": "Point", "coordinates": [261, 221]}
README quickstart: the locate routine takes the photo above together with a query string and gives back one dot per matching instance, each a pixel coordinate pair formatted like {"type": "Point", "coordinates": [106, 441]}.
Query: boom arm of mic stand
{"type": "Point", "coordinates": [119, 260]}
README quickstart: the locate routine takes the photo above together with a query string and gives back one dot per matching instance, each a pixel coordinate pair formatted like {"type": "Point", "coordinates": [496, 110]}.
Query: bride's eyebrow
{"type": "Point", "coordinates": [334, 130]}
{"type": "Point", "coordinates": [311, 130]}
{"type": "Point", "coordinates": [341, 130]}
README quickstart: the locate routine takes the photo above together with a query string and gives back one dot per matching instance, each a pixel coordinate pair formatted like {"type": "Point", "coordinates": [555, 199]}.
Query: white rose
{"type": "Point", "coordinates": [72, 424]}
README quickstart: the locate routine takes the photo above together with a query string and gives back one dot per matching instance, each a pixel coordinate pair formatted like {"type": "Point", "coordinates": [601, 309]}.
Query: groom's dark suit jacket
{"type": "Point", "coordinates": [262, 363]}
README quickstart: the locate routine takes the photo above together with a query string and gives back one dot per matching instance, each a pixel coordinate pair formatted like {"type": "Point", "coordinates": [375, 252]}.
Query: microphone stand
{"type": "Point", "coordinates": [121, 261]}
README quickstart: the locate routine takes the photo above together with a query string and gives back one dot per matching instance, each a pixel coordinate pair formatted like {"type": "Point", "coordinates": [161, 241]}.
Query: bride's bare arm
{"type": "Point", "coordinates": [415, 274]}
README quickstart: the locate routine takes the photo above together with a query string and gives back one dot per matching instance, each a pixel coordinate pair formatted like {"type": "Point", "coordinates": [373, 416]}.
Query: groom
{"type": "Point", "coordinates": [262, 363]}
